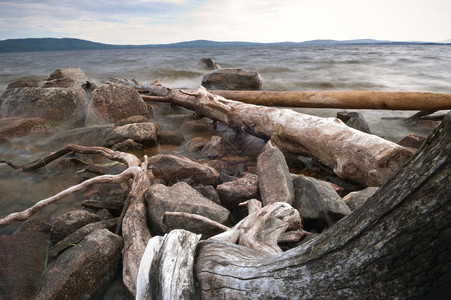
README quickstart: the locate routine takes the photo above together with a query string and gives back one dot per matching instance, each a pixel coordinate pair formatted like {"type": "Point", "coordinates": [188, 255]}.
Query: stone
{"type": "Point", "coordinates": [18, 127]}
{"type": "Point", "coordinates": [112, 103]}
{"type": "Point", "coordinates": [131, 120]}
{"type": "Point", "coordinates": [84, 270]}
{"type": "Point", "coordinates": [85, 136]}
{"type": "Point", "coordinates": [170, 138]}
{"type": "Point", "coordinates": [318, 203]}
{"type": "Point", "coordinates": [210, 192]}
{"type": "Point", "coordinates": [73, 74]}
{"type": "Point", "coordinates": [67, 223]}
{"type": "Point", "coordinates": [412, 141]}
{"type": "Point", "coordinates": [215, 148]}
{"type": "Point", "coordinates": [234, 192]}
{"type": "Point", "coordinates": [127, 145]}
{"type": "Point", "coordinates": [355, 199]}
{"type": "Point", "coordinates": [143, 133]}
{"type": "Point", "coordinates": [196, 144]}
{"type": "Point", "coordinates": [274, 177]}
{"type": "Point", "coordinates": [232, 79]}
{"type": "Point", "coordinates": [181, 197]}
{"type": "Point", "coordinates": [115, 206]}
{"type": "Point", "coordinates": [355, 120]}
{"type": "Point", "coordinates": [173, 168]}
{"type": "Point", "coordinates": [207, 64]}
{"type": "Point", "coordinates": [26, 82]}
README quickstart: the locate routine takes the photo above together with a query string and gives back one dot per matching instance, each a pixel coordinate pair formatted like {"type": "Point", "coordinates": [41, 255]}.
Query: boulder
{"type": "Point", "coordinates": [85, 136]}
{"type": "Point", "coordinates": [76, 75]}
{"type": "Point", "coordinates": [83, 271]}
{"type": "Point", "coordinates": [18, 127]}
{"type": "Point", "coordinates": [232, 79]}
{"type": "Point", "coordinates": [172, 168]}
{"type": "Point", "coordinates": [412, 141]}
{"type": "Point", "coordinates": [22, 259]}
{"type": "Point", "coordinates": [196, 144]}
{"type": "Point", "coordinates": [67, 223]}
{"type": "Point", "coordinates": [207, 64]}
{"type": "Point", "coordinates": [170, 138]}
{"type": "Point", "coordinates": [274, 177]}
{"type": "Point", "coordinates": [355, 120]}
{"type": "Point", "coordinates": [234, 192]}
{"type": "Point", "coordinates": [318, 203]}
{"type": "Point", "coordinates": [127, 145]}
{"type": "Point", "coordinates": [355, 199]}
{"type": "Point", "coordinates": [143, 133]}
{"type": "Point", "coordinates": [131, 120]}
{"type": "Point", "coordinates": [181, 197]}
{"type": "Point", "coordinates": [112, 103]}
{"type": "Point", "coordinates": [210, 192]}
{"type": "Point", "coordinates": [215, 148]}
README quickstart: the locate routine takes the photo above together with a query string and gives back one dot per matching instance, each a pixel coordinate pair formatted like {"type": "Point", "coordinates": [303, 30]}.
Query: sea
{"type": "Point", "coordinates": [419, 68]}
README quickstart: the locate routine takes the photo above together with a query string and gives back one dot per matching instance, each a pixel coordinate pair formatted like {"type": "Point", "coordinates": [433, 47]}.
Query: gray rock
{"type": "Point", "coordinates": [318, 203]}
{"type": "Point", "coordinates": [210, 192]}
{"type": "Point", "coordinates": [131, 120]}
{"type": "Point", "coordinates": [181, 197]}
{"type": "Point", "coordinates": [143, 133]}
{"type": "Point", "coordinates": [234, 192]}
{"type": "Point", "coordinates": [83, 271]}
{"type": "Point", "coordinates": [25, 127]}
{"type": "Point", "coordinates": [412, 141]}
{"type": "Point", "coordinates": [232, 79]}
{"type": "Point", "coordinates": [74, 74]}
{"type": "Point", "coordinates": [274, 177]}
{"type": "Point", "coordinates": [215, 148]}
{"type": "Point", "coordinates": [67, 223]}
{"type": "Point", "coordinates": [112, 103]}
{"type": "Point", "coordinates": [355, 199]}
{"type": "Point", "coordinates": [196, 144]}
{"type": "Point", "coordinates": [172, 168]}
{"type": "Point", "coordinates": [170, 138]}
{"type": "Point", "coordinates": [355, 120]}
{"type": "Point", "coordinates": [127, 145]}
{"type": "Point", "coordinates": [85, 136]}
{"type": "Point", "coordinates": [207, 64]}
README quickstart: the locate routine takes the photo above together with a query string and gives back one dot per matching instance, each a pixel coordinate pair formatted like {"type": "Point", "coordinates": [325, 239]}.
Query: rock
{"type": "Point", "coordinates": [170, 138]}
{"type": "Point", "coordinates": [181, 197]}
{"type": "Point", "coordinates": [18, 127]}
{"type": "Point", "coordinates": [83, 271]}
{"type": "Point", "coordinates": [232, 79]}
{"type": "Point", "coordinates": [274, 177]}
{"type": "Point", "coordinates": [115, 206]}
{"type": "Point", "coordinates": [355, 120]}
{"type": "Point", "coordinates": [112, 103]}
{"type": "Point", "coordinates": [74, 74]}
{"type": "Point", "coordinates": [355, 199]}
{"type": "Point", "coordinates": [172, 168]}
{"type": "Point", "coordinates": [78, 235]}
{"type": "Point", "coordinates": [67, 223]}
{"type": "Point", "coordinates": [57, 105]}
{"type": "Point", "coordinates": [131, 120]}
{"type": "Point", "coordinates": [143, 133]}
{"type": "Point", "coordinates": [207, 64]}
{"type": "Point", "coordinates": [318, 203]}
{"type": "Point", "coordinates": [127, 145]}
{"type": "Point", "coordinates": [85, 136]}
{"type": "Point", "coordinates": [215, 148]}
{"type": "Point", "coordinates": [412, 141]}
{"type": "Point", "coordinates": [210, 192]}
{"type": "Point", "coordinates": [22, 258]}
{"type": "Point", "coordinates": [196, 144]}
{"type": "Point", "coordinates": [24, 83]}
{"type": "Point", "coordinates": [234, 192]}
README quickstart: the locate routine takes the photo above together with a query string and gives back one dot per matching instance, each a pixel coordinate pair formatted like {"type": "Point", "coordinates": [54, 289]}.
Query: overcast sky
{"type": "Point", "coordinates": [167, 21]}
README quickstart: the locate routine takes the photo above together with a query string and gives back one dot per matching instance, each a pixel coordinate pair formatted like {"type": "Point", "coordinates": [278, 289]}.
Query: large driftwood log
{"type": "Point", "coordinates": [351, 154]}
{"type": "Point", "coordinates": [396, 245]}
{"type": "Point", "coordinates": [343, 99]}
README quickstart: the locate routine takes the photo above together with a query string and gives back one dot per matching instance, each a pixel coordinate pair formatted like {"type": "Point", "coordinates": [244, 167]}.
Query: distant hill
{"type": "Point", "coordinates": [64, 44]}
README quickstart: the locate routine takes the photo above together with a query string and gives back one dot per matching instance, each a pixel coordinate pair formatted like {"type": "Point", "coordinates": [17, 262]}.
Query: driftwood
{"type": "Point", "coordinates": [343, 99]}
{"type": "Point", "coordinates": [351, 154]}
{"type": "Point", "coordinates": [396, 245]}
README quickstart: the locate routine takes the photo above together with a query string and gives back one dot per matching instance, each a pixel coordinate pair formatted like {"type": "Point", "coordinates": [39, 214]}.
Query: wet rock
{"type": "Point", "coordinates": [86, 136]}
{"type": "Point", "coordinates": [112, 103]}
{"type": "Point", "coordinates": [274, 177]}
{"type": "Point", "coordinates": [355, 199]}
{"type": "Point", "coordinates": [24, 83]}
{"type": "Point", "coordinates": [196, 144]}
{"type": "Point", "coordinates": [172, 168]}
{"type": "Point", "coordinates": [215, 148]}
{"type": "Point", "coordinates": [170, 138]}
{"type": "Point", "coordinates": [210, 192]}
{"type": "Point", "coordinates": [412, 141]}
{"type": "Point", "coordinates": [22, 258]}
{"type": "Point", "coordinates": [78, 235]}
{"type": "Point", "coordinates": [318, 204]}
{"type": "Point", "coordinates": [232, 79]}
{"type": "Point", "coordinates": [127, 145]}
{"type": "Point", "coordinates": [83, 271]}
{"type": "Point", "coordinates": [131, 120]}
{"type": "Point", "coordinates": [234, 192]}
{"type": "Point", "coordinates": [25, 127]}
{"type": "Point", "coordinates": [74, 74]}
{"type": "Point", "coordinates": [143, 133]}
{"type": "Point", "coordinates": [67, 223]}
{"type": "Point", "coordinates": [207, 64]}
{"type": "Point", "coordinates": [181, 197]}
{"type": "Point", "coordinates": [355, 120]}
{"type": "Point", "coordinates": [114, 206]}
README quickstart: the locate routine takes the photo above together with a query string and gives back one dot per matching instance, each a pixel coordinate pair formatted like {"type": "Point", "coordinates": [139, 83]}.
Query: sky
{"type": "Point", "coordinates": [167, 21]}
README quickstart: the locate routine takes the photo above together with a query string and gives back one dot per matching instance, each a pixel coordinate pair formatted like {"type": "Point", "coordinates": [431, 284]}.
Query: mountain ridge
{"type": "Point", "coordinates": [67, 44]}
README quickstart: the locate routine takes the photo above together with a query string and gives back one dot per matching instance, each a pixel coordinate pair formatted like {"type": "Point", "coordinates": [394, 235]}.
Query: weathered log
{"type": "Point", "coordinates": [352, 154]}
{"type": "Point", "coordinates": [343, 99]}
{"type": "Point", "coordinates": [396, 245]}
